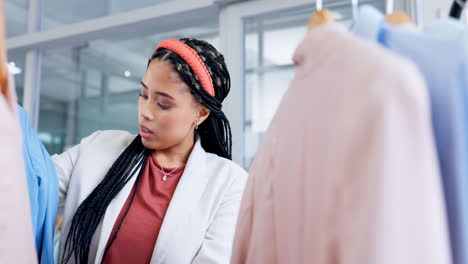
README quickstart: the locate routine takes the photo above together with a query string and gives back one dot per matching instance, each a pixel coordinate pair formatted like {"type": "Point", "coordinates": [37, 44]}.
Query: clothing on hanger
{"type": "Point", "coordinates": [16, 239]}
{"type": "Point", "coordinates": [43, 189]}
{"type": "Point", "coordinates": [360, 182]}
{"type": "Point", "coordinates": [443, 65]}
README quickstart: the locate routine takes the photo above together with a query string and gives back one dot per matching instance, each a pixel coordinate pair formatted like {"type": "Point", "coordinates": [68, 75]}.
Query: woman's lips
{"type": "Point", "coordinates": [145, 132]}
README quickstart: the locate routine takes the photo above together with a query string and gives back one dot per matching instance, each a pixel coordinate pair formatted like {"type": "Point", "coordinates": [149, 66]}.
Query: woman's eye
{"type": "Point", "coordinates": [144, 96]}
{"type": "Point", "coordinates": [164, 107]}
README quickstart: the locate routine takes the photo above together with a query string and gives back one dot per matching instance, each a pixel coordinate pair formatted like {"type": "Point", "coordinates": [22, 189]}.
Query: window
{"type": "Point", "coordinates": [270, 42]}
{"type": "Point", "coordinates": [95, 86]}
{"type": "Point", "coordinates": [16, 15]}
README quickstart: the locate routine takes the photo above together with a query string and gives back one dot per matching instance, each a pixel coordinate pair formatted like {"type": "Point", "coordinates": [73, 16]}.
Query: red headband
{"type": "Point", "coordinates": [192, 59]}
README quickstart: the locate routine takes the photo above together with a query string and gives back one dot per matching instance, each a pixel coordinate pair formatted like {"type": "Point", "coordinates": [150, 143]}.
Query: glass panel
{"type": "Point", "coordinates": [270, 42]}
{"type": "Point", "coordinates": [16, 13]}
{"type": "Point", "coordinates": [16, 63]}
{"type": "Point", "coordinates": [95, 86]}
{"type": "Point", "coordinates": [264, 94]}
{"type": "Point", "coordinates": [279, 44]}
{"type": "Point", "coordinates": [59, 12]}
{"type": "Point", "coordinates": [251, 51]}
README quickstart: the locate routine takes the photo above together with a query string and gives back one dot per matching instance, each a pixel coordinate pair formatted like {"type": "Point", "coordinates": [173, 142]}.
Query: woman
{"type": "Point", "coordinates": [170, 194]}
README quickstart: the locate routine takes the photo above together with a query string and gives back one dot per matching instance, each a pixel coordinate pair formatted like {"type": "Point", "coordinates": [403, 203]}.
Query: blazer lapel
{"type": "Point", "coordinates": [186, 197]}
{"type": "Point", "coordinates": [110, 217]}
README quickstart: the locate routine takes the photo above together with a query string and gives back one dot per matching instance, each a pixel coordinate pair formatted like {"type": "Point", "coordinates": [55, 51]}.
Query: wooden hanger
{"type": "Point", "coordinates": [3, 55]}
{"type": "Point", "coordinates": [398, 17]}
{"type": "Point", "coordinates": [320, 16]}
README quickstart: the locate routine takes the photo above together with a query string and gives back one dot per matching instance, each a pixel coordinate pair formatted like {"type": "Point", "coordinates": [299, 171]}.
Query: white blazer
{"type": "Point", "coordinates": [200, 221]}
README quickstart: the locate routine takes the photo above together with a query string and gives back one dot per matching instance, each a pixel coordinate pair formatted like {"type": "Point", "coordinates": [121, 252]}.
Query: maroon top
{"type": "Point", "coordinates": [139, 231]}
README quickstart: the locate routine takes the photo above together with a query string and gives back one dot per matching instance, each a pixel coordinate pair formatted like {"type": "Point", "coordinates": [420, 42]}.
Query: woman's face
{"type": "Point", "coordinates": [167, 111]}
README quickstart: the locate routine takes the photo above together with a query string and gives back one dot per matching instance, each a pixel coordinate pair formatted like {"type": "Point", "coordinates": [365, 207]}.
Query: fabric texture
{"type": "Point", "coordinates": [16, 239]}
{"type": "Point", "coordinates": [43, 189]}
{"type": "Point", "coordinates": [140, 228]}
{"type": "Point", "coordinates": [360, 182]}
{"type": "Point", "coordinates": [441, 57]}
{"type": "Point", "coordinates": [193, 60]}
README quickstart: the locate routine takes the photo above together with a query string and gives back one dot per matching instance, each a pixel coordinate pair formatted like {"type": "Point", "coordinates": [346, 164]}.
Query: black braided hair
{"type": "Point", "coordinates": [215, 136]}
{"type": "Point", "coordinates": [91, 211]}
{"type": "Point", "coordinates": [215, 131]}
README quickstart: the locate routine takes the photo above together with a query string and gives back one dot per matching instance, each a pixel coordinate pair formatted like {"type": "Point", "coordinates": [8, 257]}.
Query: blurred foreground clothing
{"type": "Point", "coordinates": [43, 189]}
{"type": "Point", "coordinates": [440, 54]}
{"type": "Point", "coordinates": [16, 238]}
{"type": "Point", "coordinates": [348, 171]}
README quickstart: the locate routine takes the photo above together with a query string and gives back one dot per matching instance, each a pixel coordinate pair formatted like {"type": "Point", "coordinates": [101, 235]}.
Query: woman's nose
{"type": "Point", "coordinates": [146, 111]}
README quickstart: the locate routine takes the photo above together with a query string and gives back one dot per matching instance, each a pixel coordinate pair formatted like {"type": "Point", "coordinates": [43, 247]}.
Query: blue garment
{"type": "Point", "coordinates": [43, 190]}
{"type": "Point", "coordinates": [449, 29]}
{"type": "Point", "coordinates": [442, 62]}
{"type": "Point", "coordinates": [453, 30]}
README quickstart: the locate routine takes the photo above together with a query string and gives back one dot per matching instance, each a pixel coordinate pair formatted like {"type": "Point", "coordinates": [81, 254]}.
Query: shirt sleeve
{"type": "Point", "coordinates": [64, 166]}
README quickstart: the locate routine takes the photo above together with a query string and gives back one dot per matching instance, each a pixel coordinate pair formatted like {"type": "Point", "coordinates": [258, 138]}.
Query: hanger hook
{"type": "Point", "coordinates": [355, 8]}
{"type": "Point", "coordinates": [318, 5]}
{"type": "Point", "coordinates": [389, 7]}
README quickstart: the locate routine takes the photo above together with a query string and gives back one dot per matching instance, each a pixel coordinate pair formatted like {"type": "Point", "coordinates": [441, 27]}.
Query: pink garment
{"type": "Point", "coordinates": [347, 173]}
{"type": "Point", "coordinates": [16, 237]}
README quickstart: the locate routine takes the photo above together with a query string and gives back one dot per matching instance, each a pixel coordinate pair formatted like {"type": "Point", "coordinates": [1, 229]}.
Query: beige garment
{"type": "Point", "coordinates": [16, 236]}
{"type": "Point", "coordinates": [347, 173]}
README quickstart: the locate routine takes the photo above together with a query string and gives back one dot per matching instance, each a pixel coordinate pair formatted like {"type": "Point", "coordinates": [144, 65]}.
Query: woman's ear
{"type": "Point", "coordinates": [203, 114]}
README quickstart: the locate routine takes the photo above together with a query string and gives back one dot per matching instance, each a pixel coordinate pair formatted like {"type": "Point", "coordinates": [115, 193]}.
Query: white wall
{"type": "Point", "coordinates": [430, 9]}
